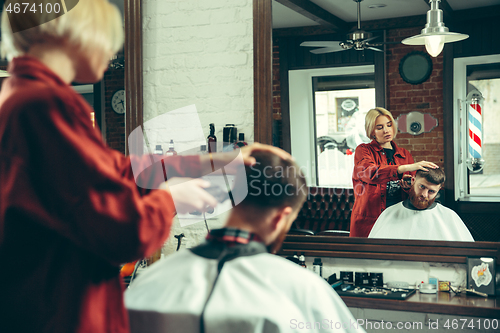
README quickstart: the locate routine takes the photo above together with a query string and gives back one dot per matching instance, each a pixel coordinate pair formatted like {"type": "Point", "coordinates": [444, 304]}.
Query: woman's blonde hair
{"type": "Point", "coordinates": [371, 119]}
{"type": "Point", "coordinates": [89, 24]}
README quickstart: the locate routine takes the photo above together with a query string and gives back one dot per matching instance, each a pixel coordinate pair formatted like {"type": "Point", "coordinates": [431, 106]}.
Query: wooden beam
{"type": "Point", "coordinates": [476, 13]}
{"type": "Point", "coordinates": [306, 31]}
{"type": "Point", "coordinates": [263, 71]}
{"type": "Point", "coordinates": [393, 23]}
{"type": "Point", "coordinates": [316, 13]}
{"type": "Point", "coordinates": [446, 8]}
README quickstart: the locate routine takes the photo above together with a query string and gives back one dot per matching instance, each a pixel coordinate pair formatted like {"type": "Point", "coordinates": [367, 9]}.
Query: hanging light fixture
{"type": "Point", "coordinates": [435, 34]}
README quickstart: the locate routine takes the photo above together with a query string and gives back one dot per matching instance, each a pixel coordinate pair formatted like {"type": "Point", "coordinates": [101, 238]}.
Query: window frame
{"type": "Point", "coordinates": [460, 127]}
{"type": "Point", "coordinates": [302, 124]}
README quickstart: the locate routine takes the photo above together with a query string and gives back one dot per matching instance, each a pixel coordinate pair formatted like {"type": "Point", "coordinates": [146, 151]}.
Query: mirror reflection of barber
{"type": "Point", "coordinates": [381, 172]}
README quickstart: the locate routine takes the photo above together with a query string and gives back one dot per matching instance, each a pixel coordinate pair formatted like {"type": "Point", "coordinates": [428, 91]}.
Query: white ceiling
{"type": "Point", "coordinates": [283, 17]}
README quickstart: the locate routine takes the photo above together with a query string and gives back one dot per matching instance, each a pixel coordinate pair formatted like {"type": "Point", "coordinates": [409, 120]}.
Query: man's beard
{"type": "Point", "coordinates": [419, 202]}
{"type": "Point", "coordinates": [275, 246]}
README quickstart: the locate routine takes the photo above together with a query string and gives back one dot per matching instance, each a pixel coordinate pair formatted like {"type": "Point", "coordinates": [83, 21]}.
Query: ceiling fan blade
{"type": "Point", "coordinates": [369, 39]}
{"type": "Point", "coordinates": [321, 44]}
{"type": "Point", "coordinates": [327, 50]}
{"type": "Point", "coordinates": [374, 49]}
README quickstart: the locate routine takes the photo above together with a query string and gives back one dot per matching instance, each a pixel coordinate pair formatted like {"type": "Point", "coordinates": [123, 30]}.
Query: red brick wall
{"type": "Point", "coordinates": [276, 84]}
{"type": "Point", "coordinates": [427, 97]}
{"type": "Point", "coordinates": [277, 128]}
{"type": "Point", "coordinates": [114, 79]}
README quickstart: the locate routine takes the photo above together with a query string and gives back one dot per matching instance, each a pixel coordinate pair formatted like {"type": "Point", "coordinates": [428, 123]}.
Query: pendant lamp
{"type": "Point", "coordinates": [435, 34]}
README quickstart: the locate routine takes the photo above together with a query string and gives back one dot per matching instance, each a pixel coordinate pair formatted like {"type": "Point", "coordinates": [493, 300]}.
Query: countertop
{"type": "Point", "coordinates": [442, 303]}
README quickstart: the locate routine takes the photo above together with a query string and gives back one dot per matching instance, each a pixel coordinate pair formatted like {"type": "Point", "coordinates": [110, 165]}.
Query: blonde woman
{"type": "Point", "coordinates": [70, 210]}
{"type": "Point", "coordinates": [380, 171]}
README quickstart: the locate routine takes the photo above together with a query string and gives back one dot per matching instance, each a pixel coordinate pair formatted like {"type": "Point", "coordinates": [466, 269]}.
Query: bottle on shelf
{"type": "Point", "coordinates": [318, 267]}
{"type": "Point", "coordinates": [241, 141]}
{"type": "Point", "coordinates": [228, 137]}
{"type": "Point", "coordinates": [158, 150]}
{"type": "Point", "coordinates": [171, 151]}
{"type": "Point", "coordinates": [302, 260]}
{"type": "Point", "coordinates": [212, 140]}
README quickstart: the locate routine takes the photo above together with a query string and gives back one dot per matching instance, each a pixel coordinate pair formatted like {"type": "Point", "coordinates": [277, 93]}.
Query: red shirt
{"type": "Point", "coordinates": [369, 178]}
{"type": "Point", "coordinates": [70, 210]}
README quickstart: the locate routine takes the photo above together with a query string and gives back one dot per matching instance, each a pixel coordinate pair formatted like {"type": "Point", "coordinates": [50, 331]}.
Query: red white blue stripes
{"type": "Point", "coordinates": [475, 129]}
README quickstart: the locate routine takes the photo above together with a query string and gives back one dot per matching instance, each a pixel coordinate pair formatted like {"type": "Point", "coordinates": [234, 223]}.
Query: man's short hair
{"type": "Point", "coordinates": [434, 176]}
{"type": "Point", "coordinates": [273, 182]}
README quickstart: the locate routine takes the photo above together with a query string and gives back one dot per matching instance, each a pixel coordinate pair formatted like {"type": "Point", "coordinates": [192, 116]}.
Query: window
{"type": "Point", "coordinates": [327, 117]}
{"type": "Point", "coordinates": [340, 106]}
{"type": "Point", "coordinates": [482, 76]}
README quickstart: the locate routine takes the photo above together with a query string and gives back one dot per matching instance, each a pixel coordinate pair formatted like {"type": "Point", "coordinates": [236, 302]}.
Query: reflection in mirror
{"type": "Point", "coordinates": [340, 106]}
{"type": "Point", "coordinates": [112, 120]}
{"type": "Point", "coordinates": [420, 216]}
{"type": "Point", "coordinates": [476, 86]}
{"type": "Point", "coordinates": [324, 140]}
{"type": "Point", "coordinates": [327, 108]}
{"type": "Point", "coordinates": [435, 96]}
{"type": "Point", "coordinates": [486, 80]}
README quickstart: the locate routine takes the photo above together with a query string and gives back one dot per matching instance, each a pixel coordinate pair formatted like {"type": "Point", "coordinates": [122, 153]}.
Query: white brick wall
{"type": "Point", "coordinates": [198, 52]}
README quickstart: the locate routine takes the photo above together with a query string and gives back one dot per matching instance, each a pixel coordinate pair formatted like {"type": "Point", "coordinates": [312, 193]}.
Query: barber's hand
{"type": "Point", "coordinates": [219, 160]}
{"type": "Point", "coordinates": [422, 165]}
{"type": "Point", "coordinates": [406, 182]}
{"type": "Point", "coordinates": [248, 150]}
{"type": "Point", "coordinates": [189, 194]}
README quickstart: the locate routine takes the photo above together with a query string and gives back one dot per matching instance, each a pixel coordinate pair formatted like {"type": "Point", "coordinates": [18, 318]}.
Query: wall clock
{"type": "Point", "coordinates": [415, 67]}
{"type": "Point", "coordinates": [118, 101]}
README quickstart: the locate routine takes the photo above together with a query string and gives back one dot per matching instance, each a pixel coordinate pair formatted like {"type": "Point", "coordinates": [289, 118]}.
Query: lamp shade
{"type": "Point", "coordinates": [435, 34]}
{"type": "Point", "coordinates": [434, 42]}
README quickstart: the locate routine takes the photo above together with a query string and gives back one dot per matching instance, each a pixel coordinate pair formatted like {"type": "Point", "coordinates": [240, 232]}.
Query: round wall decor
{"type": "Point", "coordinates": [415, 67]}
{"type": "Point", "coordinates": [118, 101]}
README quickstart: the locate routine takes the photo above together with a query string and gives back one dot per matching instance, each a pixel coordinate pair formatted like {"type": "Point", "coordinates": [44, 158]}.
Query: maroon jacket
{"type": "Point", "coordinates": [70, 210]}
{"type": "Point", "coordinates": [369, 178]}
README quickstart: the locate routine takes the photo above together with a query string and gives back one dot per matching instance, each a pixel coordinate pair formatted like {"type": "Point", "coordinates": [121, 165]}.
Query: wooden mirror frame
{"type": "Point", "coordinates": [397, 249]}
{"type": "Point", "coordinates": [134, 116]}
{"type": "Point", "coordinates": [344, 247]}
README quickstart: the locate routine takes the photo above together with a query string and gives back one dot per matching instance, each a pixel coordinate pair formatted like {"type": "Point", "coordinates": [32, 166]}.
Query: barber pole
{"type": "Point", "coordinates": [475, 131]}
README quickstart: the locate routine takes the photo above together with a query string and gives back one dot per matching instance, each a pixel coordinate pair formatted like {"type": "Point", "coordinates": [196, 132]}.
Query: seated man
{"type": "Point", "coordinates": [231, 283]}
{"type": "Point", "coordinates": [419, 217]}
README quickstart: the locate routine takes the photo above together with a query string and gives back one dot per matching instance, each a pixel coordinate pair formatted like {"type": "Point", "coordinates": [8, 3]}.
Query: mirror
{"type": "Point", "coordinates": [262, 18]}
{"type": "Point", "coordinates": [286, 40]}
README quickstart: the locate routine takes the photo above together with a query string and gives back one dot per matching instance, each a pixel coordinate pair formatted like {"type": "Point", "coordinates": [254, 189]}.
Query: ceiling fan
{"type": "Point", "coordinates": [357, 40]}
